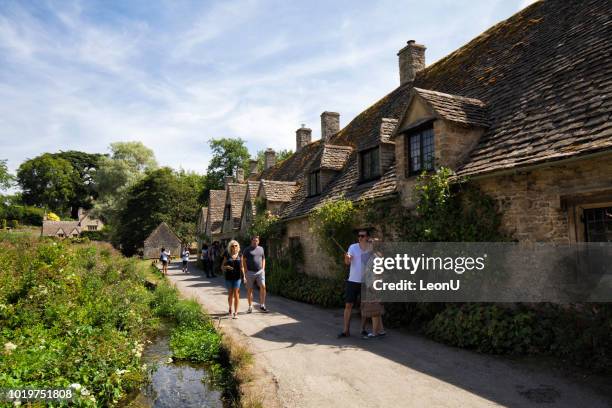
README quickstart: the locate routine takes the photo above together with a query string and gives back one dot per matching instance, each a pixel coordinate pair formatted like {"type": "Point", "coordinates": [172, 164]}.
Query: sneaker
{"type": "Point", "coordinates": [263, 308]}
{"type": "Point", "coordinates": [250, 309]}
{"type": "Point", "coordinates": [382, 333]}
{"type": "Point", "coordinates": [364, 333]}
{"type": "Point", "coordinates": [343, 335]}
{"type": "Point", "coordinates": [235, 316]}
{"type": "Point", "coordinates": [370, 336]}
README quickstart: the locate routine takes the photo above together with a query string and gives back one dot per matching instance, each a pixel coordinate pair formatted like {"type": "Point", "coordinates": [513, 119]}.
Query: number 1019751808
{"type": "Point", "coordinates": [33, 394]}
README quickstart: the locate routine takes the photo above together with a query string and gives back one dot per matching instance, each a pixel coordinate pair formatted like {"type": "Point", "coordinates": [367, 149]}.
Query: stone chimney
{"type": "Point", "coordinates": [303, 136]}
{"type": "Point", "coordinates": [330, 124]}
{"type": "Point", "coordinates": [411, 61]}
{"type": "Point", "coordinates": [228, 179]}
{"type": "Point", "coordinates": [252, 167]}
{"type": "Point", "coordinates": [239, 175]}
{"type": "Point", "coordinates": [269, 158]}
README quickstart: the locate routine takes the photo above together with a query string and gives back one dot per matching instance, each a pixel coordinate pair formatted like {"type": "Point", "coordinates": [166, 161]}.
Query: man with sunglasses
{"type": "Point", "coordinates": [357, 257]}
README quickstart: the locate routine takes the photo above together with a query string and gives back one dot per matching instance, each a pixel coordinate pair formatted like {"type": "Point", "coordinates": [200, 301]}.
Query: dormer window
{"type": "Point", "coordinates": [369, 164]}
{"type": "Point", "coordinates": [314, 183]}
{"type": "Point", "coordinates": [420, 153]}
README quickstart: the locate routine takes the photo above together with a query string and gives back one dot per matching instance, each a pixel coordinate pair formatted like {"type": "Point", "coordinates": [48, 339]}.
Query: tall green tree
{"type": "Point", "coordinates": [162, 195]}
{"type": "Point", "coordinates": [6, 178]}
{"type": "Point", "coordinates": [86, 165]}
{"type": "Point", "coordinates": [228, 154]}
{"type": "Point", "coordinates": [281, 155]}
{"type": "Point", "coordinates": [49, 182]}
{"type": "Point", "coordinates": [127, 163]}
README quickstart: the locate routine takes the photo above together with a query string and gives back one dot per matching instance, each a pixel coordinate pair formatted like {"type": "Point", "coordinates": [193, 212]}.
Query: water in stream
{"type": "Point", "coordinates": [175, 384]}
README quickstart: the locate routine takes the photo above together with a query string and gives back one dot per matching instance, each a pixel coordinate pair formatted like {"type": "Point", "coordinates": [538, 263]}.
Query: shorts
{"type": "Point", "coordinates": [252, 277]}
{"type": "Point", "coordinates": [352, 291]}
{"type": "Point", "coordinates": [232, 284]}
{"type": "Point", "coordinates": [164, 263]}
{"type": "Point", "coordinates": [185, 263]}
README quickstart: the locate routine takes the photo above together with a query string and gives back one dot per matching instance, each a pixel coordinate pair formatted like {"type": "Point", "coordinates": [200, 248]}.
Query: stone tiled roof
{"type": "Point", "coordinates": [332, 157]}
{"type": "Point", "coordinates": [162, 232]}
{"type": "Point", "coordinates": [540, 81]}
{"type": "Point", "coordinates": [216, 206]}
{"type": "Point", "coordinates": [278, 191]}
{"type": "Point", "coordinates": [455, 108]}
{"type": "Point", "coordinates": [361, 133]}
{"type": "Point", "coordinates": [294, 166]}
{"type": "Point", "coordinates": [544, 75]}
{"type": "Point", "coordinates": [50, 228]}
{"type": "Point", "coordinates": [236, 192]}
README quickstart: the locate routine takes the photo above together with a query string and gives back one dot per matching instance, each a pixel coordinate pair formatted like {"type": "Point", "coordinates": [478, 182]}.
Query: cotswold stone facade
{"type": "Point", "coordinates": [523, 111]}
{"type": "Point", "coordinates": [548, 204]}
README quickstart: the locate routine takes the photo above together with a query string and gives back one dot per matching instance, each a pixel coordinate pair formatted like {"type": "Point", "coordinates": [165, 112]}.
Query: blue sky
{"type": "Point", "coordinates": [173, 74]}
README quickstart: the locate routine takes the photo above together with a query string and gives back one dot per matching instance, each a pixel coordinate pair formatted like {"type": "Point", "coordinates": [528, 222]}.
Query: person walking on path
{"type": "Point", "coordinates": [254, 262]}
{"type": "Point", "coordinates": [185, 257]}
{"type": "Point", "coordinates": [214, 257]}
{"type": "Point", "coordinates": [234, 274]}
{"type": "Point", "coordinates": [205, 261]}
{"type": "Point", "coordinates": [164, 257]}
{"type": "Point", "coordinates": [357, 257]}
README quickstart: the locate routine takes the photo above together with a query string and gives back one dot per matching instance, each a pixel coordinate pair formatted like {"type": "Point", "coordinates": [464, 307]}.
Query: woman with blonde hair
{"type": "Point", "coordinates": [234, 274]}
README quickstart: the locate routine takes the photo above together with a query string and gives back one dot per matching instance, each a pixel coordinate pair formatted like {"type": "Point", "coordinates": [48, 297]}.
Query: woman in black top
{"type": "Point", "coordinates": [234, 274]}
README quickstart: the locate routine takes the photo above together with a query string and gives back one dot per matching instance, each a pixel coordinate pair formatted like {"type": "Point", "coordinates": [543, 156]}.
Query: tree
{"type": "Point", "coordinates": [228, 154]}
{"type": "Point", "coordinates": [161, 195]}
{"type": "Point", "coordinates": [86, 165]}
{"type": "Point", "coordinates": [48, 181]}
{"type": "Point", "coordinates": [281, 155]}
{"type": "Point", "coordinates": [6, 179]}
{"type": "Point", "coordinates": [138, 156]}
{"type": "Point", "coordinates": [116, 174]}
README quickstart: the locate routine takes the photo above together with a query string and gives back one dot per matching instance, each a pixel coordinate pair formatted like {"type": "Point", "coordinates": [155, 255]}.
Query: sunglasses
{"type": "Point", "coordinates": [234, 246]}
{"type": "Point", "coordinates": [362, 235]}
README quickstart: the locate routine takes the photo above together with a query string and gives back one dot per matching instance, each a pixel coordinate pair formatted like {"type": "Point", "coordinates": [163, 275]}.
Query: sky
{"type": "Point", "coordinates": [79, 75]}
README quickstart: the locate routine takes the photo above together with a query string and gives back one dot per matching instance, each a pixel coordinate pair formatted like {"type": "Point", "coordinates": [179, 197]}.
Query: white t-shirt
{"type": "Point", "coordinates": [359, 260]}
{"type": "Point", "coordinates": [185, 255]}
{"type": "Point", "coordinates": [165, 255]}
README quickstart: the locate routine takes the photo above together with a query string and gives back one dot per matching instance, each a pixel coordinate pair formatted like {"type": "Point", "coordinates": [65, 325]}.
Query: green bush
{"type": "Point", "coordinates": [100, 235]}
{"type": "Point", "coordinates": [72, 314]}
{"type": "Point", "coordinates": [197, 343]}
{"type": "Point", "coordinates": [583, 337]}
{"type": "Point", "coordinates": [282, 279]}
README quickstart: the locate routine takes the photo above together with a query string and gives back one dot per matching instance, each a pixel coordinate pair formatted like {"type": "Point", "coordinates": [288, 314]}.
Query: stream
{"type": "Point", "coordinates": [174, 384]}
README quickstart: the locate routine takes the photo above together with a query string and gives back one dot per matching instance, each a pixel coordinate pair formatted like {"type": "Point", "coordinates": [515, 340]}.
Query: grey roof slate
{"type": "Point", "coordinates": [278, 191]}
{"type": "Point", "coordinates": [468, 111]}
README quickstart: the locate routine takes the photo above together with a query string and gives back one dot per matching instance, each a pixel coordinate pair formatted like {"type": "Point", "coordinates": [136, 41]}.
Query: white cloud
{"type": "Point", "coordinates": [77, 78]}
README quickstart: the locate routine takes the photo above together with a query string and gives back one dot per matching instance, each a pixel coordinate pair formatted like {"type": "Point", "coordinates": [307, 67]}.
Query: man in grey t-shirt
{"type": "Point", "coordinates": [254, 262]}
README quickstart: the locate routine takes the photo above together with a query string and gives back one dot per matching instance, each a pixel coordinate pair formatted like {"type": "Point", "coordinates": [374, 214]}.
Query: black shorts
{"type": "Point", "coordinates": [185, 263]}
{"type": "Point", "coordinates": [352, 291]}
{"type": "Point", "coordinates": [164, 262]}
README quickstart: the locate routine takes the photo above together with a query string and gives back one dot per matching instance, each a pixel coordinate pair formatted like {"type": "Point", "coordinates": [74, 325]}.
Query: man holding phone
{"type": "Point", "coordinates": [357, 257]}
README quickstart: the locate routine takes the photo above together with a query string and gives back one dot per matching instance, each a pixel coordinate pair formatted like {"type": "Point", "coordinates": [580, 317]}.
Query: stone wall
{"type": "Point", "coordinates": [316, 261]}
{"type": "Point", "coordinates": [545, 204]}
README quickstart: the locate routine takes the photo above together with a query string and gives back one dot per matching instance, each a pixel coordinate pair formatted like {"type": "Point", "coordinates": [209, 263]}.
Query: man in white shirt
{"type": "Point", "coordinates": [357, 257]}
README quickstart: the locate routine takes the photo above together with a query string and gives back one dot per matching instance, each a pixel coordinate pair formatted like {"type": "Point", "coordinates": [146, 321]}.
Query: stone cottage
{"type": "Point", "coordinates": [523, 110]}
{"type": "Point", "coordinates": [64, 229]}
{"type": "Point", "coordinates": [162, 237]}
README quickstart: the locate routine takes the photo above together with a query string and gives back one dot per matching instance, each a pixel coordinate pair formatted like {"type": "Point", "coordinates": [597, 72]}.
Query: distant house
{"type": "Point", "coordinates": [162, 237]}
{"type": "Point", "coordinates": [63, 229]}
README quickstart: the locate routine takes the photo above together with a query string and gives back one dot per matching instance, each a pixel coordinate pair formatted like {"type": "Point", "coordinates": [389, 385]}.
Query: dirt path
{"type": "Point", "coordinates": [297, 344]}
